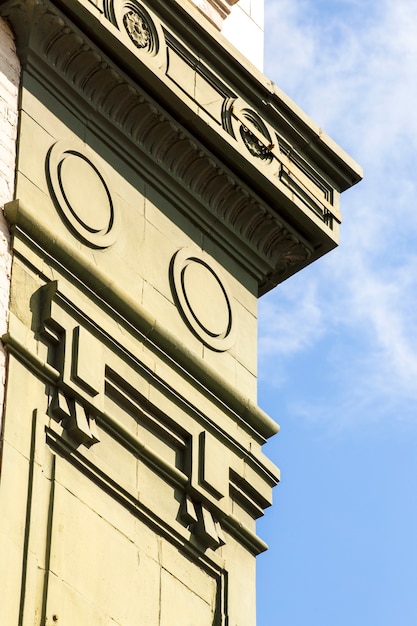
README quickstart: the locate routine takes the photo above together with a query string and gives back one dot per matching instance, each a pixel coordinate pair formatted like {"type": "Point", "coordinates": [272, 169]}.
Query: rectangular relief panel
{"type": "Point", "coordinates": [109, 567]}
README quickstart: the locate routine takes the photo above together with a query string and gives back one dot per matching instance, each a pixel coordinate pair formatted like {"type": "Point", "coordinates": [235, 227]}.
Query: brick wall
{"type": "Point", "coordinates": [9, 82]}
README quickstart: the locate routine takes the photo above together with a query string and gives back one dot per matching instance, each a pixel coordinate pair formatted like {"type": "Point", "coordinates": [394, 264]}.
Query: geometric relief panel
{"type": "Point", "coordinates": [95, 402]}
{"type": "Point", "coordinates": [169, 445]}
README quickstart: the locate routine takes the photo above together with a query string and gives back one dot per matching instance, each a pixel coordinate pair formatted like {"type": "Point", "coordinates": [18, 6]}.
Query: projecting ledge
{"type": "Point", "coordinates": [23, 221]}
{"type": "Point", "coordinates": [265, 177]}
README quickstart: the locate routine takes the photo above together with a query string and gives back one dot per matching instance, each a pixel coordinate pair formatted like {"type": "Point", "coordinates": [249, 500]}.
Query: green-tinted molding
{"type": "Point", "coordinates": [152, 331]}
{"type": "Point", "coordinates": [71, 442]}
{"type": "Point", "coordinates": [41, 368]}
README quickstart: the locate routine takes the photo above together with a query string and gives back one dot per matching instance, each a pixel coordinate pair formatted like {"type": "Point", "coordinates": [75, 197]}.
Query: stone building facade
{"type": "Point", "coordinates": [159, 184]}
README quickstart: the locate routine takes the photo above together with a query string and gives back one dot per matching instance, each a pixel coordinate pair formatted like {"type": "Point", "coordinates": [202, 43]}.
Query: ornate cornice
{"type": "Point", "coordinates": [296, 222]}
{"type": "Point", "coordinates": [21, 217]}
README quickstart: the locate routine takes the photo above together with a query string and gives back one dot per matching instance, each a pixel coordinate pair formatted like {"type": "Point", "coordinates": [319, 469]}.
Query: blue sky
{"type": "Point", "coordinates": [338, 342]}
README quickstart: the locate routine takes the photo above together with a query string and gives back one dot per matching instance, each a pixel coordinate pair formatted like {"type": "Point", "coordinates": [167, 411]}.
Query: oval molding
{"type": "Point", "coordinates": [204, 298]}
{"type": "Point", "coordinates": [81, 192]}
{"type": "Point", "coordinates": [250, 130]}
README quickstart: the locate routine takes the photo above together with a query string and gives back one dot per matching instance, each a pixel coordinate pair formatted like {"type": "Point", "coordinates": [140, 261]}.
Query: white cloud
{"type": "Point", "coordinates": [355, 74]}
{"type": "Point", "coordinates": [293, 320]}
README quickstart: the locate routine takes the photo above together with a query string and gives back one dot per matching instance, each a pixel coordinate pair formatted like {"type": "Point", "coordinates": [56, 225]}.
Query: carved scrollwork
{"type": "Point", "coordinates": [248, 127]}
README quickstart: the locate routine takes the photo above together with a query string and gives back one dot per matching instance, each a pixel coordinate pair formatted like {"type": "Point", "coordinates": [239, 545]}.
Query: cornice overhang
{"type": "Point", "coordinates": [254, 168]}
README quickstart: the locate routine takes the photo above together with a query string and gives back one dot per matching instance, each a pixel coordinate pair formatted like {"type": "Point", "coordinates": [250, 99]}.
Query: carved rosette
{"type": "Point", "coordinates": [137, 29]}
{"type": "Point", "coordinates": [140, 30]}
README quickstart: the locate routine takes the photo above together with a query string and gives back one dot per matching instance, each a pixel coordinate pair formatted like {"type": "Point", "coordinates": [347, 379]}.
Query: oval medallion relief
{"type": "Point", "coordinates": [250, 130]}
{"type": "Point", "coordinates": [204, 298]}
{"type": "Point", "coordinates": [82, 194]}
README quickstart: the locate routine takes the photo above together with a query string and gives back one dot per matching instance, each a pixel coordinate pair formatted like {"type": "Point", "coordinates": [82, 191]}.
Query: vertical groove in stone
{"type": "Point", "coordinates": [9, 84]}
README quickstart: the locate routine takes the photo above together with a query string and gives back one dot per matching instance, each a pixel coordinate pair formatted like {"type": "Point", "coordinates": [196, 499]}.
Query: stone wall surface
{"type": "Point", "coordinates": [132, 438]}
{"type": "Point", "coordinates": [9, 83]}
